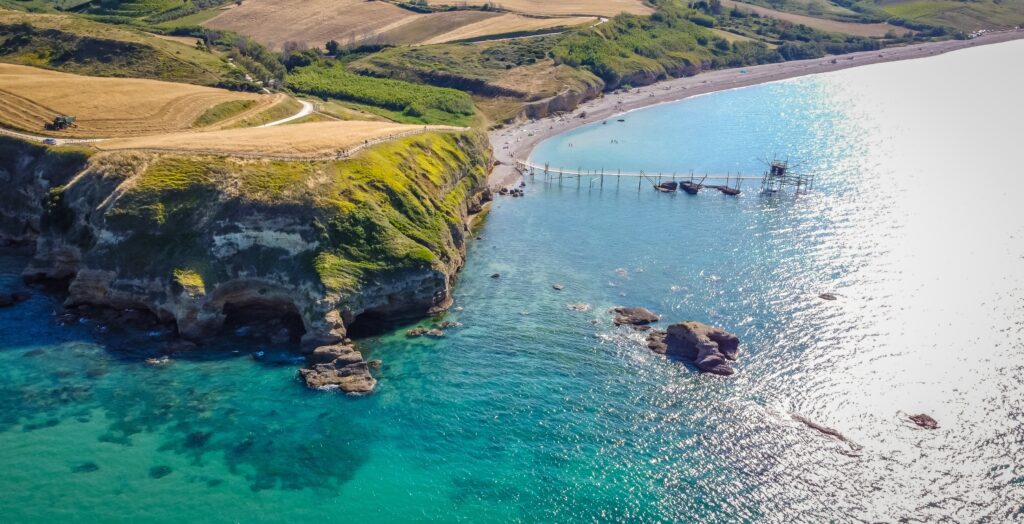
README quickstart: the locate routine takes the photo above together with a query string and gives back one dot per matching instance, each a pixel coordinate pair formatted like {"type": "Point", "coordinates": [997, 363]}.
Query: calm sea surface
{"type": "Point", "coordinates": [535, 412]}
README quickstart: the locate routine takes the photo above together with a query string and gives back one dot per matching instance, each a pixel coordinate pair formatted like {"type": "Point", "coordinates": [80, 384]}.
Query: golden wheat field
{"type": "Point", "coordinates": [508, 23]}
{"type": "Point", "coordinates": [563, 7]}
{"type": "Point", "coordinates": [313, 22]}
{"type": "Point", "coordinates": [310, 140]}
{"type": "Point", "coordinates": [355, 22]}
{"type": "Point", "coordinates": [107, 107]}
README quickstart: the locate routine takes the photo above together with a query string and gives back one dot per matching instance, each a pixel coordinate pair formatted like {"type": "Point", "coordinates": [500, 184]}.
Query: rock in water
{"type": "Point", "coordinates": [708, 347]}
{"type": "Point", "coordinates": [418, 331]}
{"type": "Point", "coordinates": [338, 366]}
{"type": "Point", "coordinates": [924, 421]}
{"type": "Point", "coordinates": [634, 316]}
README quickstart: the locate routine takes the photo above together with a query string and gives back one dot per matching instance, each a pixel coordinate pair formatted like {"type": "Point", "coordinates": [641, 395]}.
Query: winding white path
{"type": "Point", "coordinates": [307, 109]}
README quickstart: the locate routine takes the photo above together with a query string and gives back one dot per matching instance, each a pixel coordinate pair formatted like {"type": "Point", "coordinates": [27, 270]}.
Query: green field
{"type": "Point", "coordinates": [222, 111]}
{"type": "Point", "coordinates": [415, 102]}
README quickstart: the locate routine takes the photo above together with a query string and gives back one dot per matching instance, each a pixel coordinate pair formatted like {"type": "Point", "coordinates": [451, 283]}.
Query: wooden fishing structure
{"type": "Point", "coordinates": [775, 179]}
{"type": "Point", "coordinates": [780, 175]}
{"type": "Point", "coordinates": [727, 183]}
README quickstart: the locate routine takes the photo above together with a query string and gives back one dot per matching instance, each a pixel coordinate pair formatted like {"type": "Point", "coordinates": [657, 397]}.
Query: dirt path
{"type": "Point", "coordinates": [307, 109]}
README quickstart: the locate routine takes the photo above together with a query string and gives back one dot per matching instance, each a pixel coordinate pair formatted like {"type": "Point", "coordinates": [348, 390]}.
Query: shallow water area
{"type": "Point", "coordinates": [533, 410]}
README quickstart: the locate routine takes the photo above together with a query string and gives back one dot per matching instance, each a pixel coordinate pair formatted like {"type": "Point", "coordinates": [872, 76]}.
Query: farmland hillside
{"type": "Point", "coordinates": [109, 107]}
{"type": "Point", "coordinates": [605, 8]}
{"type": "Point", "coordinates": [78, 45]}
{"type": "Point", "coordinates": [356, 22]}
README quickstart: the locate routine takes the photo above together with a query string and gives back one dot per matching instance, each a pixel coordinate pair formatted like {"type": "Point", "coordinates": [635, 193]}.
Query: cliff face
{"type": "Point", "coordinates": [197, 239]}
{"type": "Point", "coordinates": [27, 173]}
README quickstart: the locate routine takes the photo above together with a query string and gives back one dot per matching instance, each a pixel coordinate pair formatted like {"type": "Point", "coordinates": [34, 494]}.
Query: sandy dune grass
{"type": "Point", "coordinates": [310, 140]}
{"type": "Point", "coordinates": [107, 107]}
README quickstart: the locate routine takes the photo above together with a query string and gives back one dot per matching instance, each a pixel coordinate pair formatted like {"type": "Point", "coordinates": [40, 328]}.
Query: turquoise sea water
{"type": "Point", "coordinates": [535, 412]}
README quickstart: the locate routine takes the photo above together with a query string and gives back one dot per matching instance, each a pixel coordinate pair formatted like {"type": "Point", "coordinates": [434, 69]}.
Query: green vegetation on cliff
{"type": "Point", "coordinates": [397, 206]}
{"type": "Point", "coordinates": [393, 207]}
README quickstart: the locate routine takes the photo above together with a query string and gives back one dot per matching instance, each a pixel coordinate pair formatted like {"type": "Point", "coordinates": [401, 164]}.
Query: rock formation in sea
{"type": "Point", "coordinates": [198, 240]}
{"type": "Point", "coordinates": [709, 348]}
{"type": "Point", "coordinates": [634, 316]}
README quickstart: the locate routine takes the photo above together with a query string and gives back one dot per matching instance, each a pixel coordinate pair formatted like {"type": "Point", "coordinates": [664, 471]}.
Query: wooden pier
{"type": "Point", "coordinates": [728, 183]}
{"type": "Point", "coordinates": [597, 178]}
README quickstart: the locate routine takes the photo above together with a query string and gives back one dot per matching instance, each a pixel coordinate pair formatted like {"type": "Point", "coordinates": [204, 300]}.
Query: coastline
{"type": "Point", "coordinates": [517, 141]}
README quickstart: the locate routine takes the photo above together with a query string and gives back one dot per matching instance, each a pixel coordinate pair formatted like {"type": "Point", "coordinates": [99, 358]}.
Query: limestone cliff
{"type": "Point", "coordinates": [195, 239]}
{"type": "Point", "coordinates": [27, 173]}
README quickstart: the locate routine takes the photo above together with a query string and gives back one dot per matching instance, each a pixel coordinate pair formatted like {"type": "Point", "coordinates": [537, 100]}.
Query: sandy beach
{"type": "Point", "coordinates": [516, 142]}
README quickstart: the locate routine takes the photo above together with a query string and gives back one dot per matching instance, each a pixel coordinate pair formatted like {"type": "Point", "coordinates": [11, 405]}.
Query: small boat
{"type": "Point", "coordinates": [731, 191]}
{"type": "Point", "coordinates": [689, 187]}
{"type": "Point", "coordinates": [622, 120]}
{"type": "Point", "coordinates": [667, 187]}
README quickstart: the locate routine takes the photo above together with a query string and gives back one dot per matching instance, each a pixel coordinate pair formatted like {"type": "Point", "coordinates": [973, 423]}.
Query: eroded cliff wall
{"type": "Point", "coordinates": [189, 238]}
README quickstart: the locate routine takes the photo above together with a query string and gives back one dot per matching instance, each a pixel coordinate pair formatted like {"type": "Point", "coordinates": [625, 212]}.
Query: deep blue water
{"type": "Point", "coordinates": [533, 411]}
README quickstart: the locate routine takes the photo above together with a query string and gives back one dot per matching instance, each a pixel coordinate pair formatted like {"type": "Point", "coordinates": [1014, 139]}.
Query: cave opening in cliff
{"type": "Point", "coordinates": [278, 321]}
{"type": "Point", "coordinates": [369, 324]}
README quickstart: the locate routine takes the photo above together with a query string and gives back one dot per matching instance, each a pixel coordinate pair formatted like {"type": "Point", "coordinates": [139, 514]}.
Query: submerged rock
{"type": "Point", "coordinates": [924, 421]}
{"type": "Point", "coordinates": [85, 467]}
{"type": "Point", "coordinates": [159, 472]}
{"type": "Point", "coordinates": [338, 366]}
{"type": "Point", "coordinates": [634, 316]}
{"type": "Point", "coordinates": [708, 347]}
{"type": "Point", "coordinates": [417, 331]}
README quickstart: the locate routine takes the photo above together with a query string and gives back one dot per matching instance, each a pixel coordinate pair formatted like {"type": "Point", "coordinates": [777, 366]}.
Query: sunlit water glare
{"type": "Point", "coordinates": [531, 412]}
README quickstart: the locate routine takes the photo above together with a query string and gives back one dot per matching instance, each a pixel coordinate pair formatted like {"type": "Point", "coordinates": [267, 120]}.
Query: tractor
{"type": "Point", "coordinates": [61, 122]}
